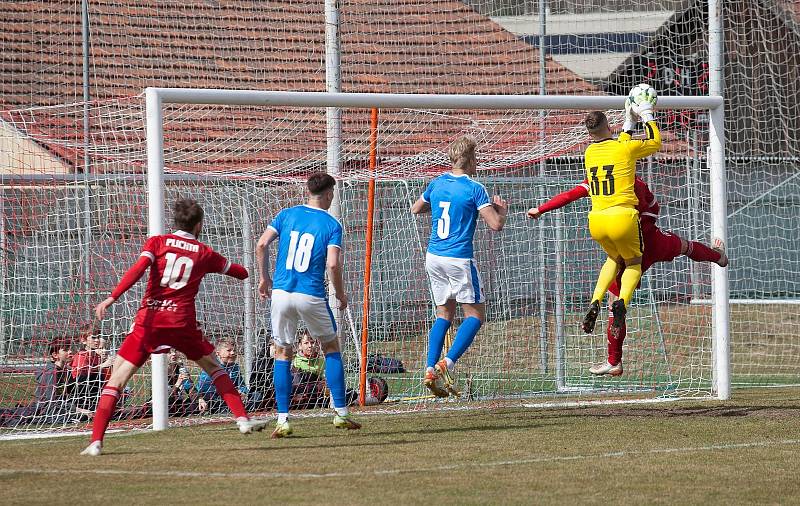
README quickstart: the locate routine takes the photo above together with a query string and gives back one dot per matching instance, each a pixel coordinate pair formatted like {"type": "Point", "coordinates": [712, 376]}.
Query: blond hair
{"type": "Point", "coordinates": [462, 152]}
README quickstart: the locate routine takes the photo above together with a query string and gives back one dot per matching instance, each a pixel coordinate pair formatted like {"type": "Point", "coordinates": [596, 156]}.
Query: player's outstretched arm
{"type": "Point", "coordinates": [580, 191]}
{"type": "Point", "coordinates": [421, 206]}
{"type": "Point", "coordinates": [130, 278]}
{"type": "Point", "coordinates": [641, 148]}
{"type": "Point", "coordinates": [335, 270]}
{"type": "Point", "coordinates": [495, 215]}
{"type": "Point", "coordinates": [236, 271]}
{"type": "Point", "coordinates": [262, 259]}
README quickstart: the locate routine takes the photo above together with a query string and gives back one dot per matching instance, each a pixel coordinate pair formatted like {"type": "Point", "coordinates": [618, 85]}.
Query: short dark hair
{"type": "Point", "coordinates": [320, 182]}
{"type": "Point", "coordinates": [595, 121]}
{"type": "Point", "coordinates": [186, 213]}
{"type": "Point", "coordinates": [58, 344]}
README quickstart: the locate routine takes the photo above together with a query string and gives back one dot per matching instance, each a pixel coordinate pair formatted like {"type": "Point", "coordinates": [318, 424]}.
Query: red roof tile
{"type": "Point", "coordinates": [401, 47]}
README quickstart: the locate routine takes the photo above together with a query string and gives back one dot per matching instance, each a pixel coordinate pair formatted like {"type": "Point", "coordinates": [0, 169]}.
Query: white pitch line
{"type": "Point", "coordinates": [383, 472]}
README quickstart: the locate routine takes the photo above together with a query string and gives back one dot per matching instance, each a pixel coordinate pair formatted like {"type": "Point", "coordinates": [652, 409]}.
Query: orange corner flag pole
{"type": "Point", "coordinates": [373, 163]}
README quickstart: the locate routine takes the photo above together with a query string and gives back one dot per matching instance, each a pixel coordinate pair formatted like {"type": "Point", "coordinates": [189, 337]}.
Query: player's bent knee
{"type": "Point", "coordinates": [446, 311]}
{"type": "Point", "coordinates": [475, 311]}
{"type": "Point", "coordinates": [122, 372]}
{"type": "Point", "coordinates": [633, 261]}
{"type": "Point", "coordinates": [283, 351]}
{"type": "Point", "coordinates": [330, 345]}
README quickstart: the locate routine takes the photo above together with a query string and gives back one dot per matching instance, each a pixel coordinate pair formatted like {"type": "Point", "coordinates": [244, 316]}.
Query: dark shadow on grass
{"type": "Point", "coordinates": [288, 444]}
{"type": "Point", "coordinates": [499, 427]}
{"type": "Point", "coordinates": [676, 412]}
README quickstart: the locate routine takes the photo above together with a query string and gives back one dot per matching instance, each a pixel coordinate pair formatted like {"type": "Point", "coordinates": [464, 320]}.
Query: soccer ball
{"type": "Point", "coordinates": [642, 93]}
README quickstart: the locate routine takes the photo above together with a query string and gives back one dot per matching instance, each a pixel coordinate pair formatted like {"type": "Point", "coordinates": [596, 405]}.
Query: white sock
{"type": "Point", "coordinates": [429, 369]}
{"type": "Point", "coordinates": [283, 417]}
{"type": "Point", "coordinates": [341, 411]}
{"type": "Point", "coordinates": [450, 364]}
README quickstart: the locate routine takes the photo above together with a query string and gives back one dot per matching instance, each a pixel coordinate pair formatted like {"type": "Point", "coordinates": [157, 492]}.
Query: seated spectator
{"type": "Point", "coordinates": [184, 399]}
{"type": "Point", "coordinates": [90, 369]}
{"type": "Point", "coordinates": [309, 390]}
{"type": "Point", "coordinates": [308, 379]}
{"type": "Point", "coordinates": [51, 405]}
{"type": "Point", "coordinates": [226, 354]}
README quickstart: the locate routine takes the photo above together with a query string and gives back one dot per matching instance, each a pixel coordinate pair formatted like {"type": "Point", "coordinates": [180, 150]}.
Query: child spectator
{"type": "Point", "coordinates": [226, 354]}
{"type": "Point", "coordinates": [52, 382]}
{"type": "Point", "coordinates": [90, 369]}
{"type": "Point", "coordinates": [184, 399]}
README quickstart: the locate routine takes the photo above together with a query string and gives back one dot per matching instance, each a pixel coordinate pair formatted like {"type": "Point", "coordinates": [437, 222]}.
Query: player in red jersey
{"type": "Point", "coordinates": [166, 318]}
{"type": "Point", "coordinates": [659, 246]}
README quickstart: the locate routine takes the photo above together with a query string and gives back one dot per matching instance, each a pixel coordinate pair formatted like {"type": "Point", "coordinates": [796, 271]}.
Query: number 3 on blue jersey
{"type": "Point", "coordinates": [443, 223]}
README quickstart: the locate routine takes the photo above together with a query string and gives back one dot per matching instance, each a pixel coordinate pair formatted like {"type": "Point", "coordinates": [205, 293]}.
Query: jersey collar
{"type": "Point", "coordinates": [185, 235]}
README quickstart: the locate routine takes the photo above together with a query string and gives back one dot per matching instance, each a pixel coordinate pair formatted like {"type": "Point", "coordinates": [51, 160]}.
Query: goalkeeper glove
{"type": "Point", "coordinates": [630, 117]}
{"type": "Point", "coordinates": [644, 111]}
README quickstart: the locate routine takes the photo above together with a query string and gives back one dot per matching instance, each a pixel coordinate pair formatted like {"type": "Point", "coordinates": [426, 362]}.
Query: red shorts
{"type": "Point", "coordinates": [142, 341]}
{"type": "Point", "coordinates": [659, 246]}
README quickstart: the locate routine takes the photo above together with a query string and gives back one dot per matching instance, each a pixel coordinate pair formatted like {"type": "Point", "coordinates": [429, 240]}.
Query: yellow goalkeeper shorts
{"type": "Point", "coordinates": [617, 230]}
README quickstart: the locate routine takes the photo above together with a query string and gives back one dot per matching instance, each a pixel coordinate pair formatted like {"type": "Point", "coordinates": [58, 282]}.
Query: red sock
{"type": "Point", "coordinates": [701, 253]}
{"type": "Point", "coordinates": [105, 409]}
{"type": "Point", "coordinates": [615, 343]}
{"type": "Point", "coordinates": [225, 388]}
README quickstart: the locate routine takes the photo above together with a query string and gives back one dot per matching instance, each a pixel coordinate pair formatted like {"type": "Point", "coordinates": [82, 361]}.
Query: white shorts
{"type": "Point", "coordinates": [289, 307]}
{"type": "Point", "coordinates": [454, 278]}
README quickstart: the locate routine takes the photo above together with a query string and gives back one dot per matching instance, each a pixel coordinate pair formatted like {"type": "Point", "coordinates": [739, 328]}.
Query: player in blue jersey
{"type": "Point", "coordinates": [455, 201]}
{"type": "Point", "coordinates": [309, 242]}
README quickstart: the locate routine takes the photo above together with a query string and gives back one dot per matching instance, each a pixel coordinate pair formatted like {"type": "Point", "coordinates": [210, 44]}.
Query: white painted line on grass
{"type": "Point", "coordinates": [383, 472]}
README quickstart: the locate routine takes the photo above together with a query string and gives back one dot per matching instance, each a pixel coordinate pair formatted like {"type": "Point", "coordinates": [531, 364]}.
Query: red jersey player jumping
{"type": "Point", "coordinates": [166, 318]}
{"type": "Point", "coordinates": [659, 246]}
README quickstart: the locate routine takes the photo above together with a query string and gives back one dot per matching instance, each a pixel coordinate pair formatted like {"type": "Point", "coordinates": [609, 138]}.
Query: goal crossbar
{"type": "Point", "coordinates": [410, 100]}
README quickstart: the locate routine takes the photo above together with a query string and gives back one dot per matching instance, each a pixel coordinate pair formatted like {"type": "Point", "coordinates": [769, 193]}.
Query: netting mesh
{"type": "Point", "coordinates": [529, 270]}
{"type": "Point", "coordinates": [66, 239]}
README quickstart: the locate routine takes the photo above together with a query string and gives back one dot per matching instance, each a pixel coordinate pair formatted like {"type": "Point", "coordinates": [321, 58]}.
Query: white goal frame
{"type": "Point", "coordinates": [157, 97]}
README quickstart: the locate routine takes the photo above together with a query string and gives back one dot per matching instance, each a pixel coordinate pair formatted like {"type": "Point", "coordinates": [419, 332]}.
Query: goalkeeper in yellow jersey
{"type": "Point", "coordinates": [614, 221]}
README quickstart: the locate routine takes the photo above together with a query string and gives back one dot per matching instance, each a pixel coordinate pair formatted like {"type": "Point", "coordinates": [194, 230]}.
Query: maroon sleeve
{"type": "Point", "coordinates": [237, 271]}
{"type": "Point", "coordinates": [132, 276]}
{"type": "Point", "coordinates": [580, 191]}
{"type": "Point", "coordinates": [648, 204]}
{"type": "Point", "coordinates": [217, 263]}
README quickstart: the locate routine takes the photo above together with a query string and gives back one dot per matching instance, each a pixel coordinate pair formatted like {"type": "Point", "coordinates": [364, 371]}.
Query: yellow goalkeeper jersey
{"type": "Point", "coordinates": [611, 167]}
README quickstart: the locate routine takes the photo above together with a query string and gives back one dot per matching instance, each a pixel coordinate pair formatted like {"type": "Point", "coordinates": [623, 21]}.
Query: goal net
{"type": "Point", "coordinates": [68, 239]}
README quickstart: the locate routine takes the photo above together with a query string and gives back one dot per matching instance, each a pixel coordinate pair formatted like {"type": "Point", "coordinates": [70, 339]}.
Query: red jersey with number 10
{"type": "Point", "coordinates": [179, 263]}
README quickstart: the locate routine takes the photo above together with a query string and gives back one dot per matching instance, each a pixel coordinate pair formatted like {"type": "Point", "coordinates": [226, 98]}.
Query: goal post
{"type": "Point", "coordinates": [158, 98]}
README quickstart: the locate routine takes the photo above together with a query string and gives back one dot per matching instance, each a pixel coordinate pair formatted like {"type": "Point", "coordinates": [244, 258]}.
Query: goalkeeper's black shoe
{"type": "Point", "coordinates": [591, 317]}
{"type": "Point", "coordinates": [618, 311]}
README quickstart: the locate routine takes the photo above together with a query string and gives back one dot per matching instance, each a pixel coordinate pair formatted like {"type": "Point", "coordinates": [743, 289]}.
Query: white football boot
{"type": "Point", "coordinates": [94, 449]}
{"type": "Point", "coordinates": [606, 368]}
{"type": "Point", "coordinates": [248, 426]}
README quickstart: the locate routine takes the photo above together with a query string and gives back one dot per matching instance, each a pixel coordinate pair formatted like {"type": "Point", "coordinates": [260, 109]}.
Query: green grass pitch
{"type": "Point", "coordinates": [746, 450]}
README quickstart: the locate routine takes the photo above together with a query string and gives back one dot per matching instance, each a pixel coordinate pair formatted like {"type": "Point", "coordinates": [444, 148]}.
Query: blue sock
{"type": "Point", "coordinates": [436, 340]}
{"type": "Point", "coordinates": [334, 375]}
{"type": "Point", "coordinates": [464, 336]}
{"type": "Point", "coordinates": [282, 380]}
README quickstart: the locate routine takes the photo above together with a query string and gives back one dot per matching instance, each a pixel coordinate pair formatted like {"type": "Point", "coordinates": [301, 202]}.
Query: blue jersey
{"type": "Point", "coordinates": [455, 202]}
{"type": "Point", "coordinates": [304, 234]}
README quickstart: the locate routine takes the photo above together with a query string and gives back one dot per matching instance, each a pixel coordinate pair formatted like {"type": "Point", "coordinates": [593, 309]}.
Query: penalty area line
{"type": "Point", "coordinates": [399, 471]}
